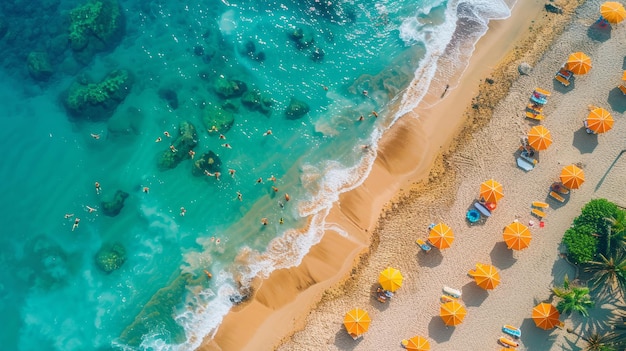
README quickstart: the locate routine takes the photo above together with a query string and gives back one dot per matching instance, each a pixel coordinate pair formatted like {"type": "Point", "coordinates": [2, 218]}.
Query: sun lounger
{"type": "Point", "coordinates": [356, 337]}
{"type": "Point", "coordinates": [482, 209]}
{"type": "Point", "coordinates": [535, 116]}
{"type": "Point", "coordinates": [542, 92]}
{"type": "Point", "coordinates": [423, 245]}
{"type": "Point", "coordinates": [535, 108]}
{"type": "Point", "coordinates": [562, 80]}
{"type": "Point", "coordinates": [508, 342]}
{"type": "Point", "coordinates": [537, 212]}
{"type": "Point", "coordinates": [540, 204]}
{"type": "Point", "coordinates": [452, 292]}
{"type": "Point", "coordinates": [559, 188]}
{"type": "Point", "coordinates": [525, 165]}
{"type": "Point", "coordinates": [511, 330]}
{"type": "Point", "coordinates": [622, 88]}
{"type": "Point", "coordinates": [447, 298]}
{"type": "Point", "coordinates": [556, 196]}
{"type": "Point", "coordinates": [563, 76]}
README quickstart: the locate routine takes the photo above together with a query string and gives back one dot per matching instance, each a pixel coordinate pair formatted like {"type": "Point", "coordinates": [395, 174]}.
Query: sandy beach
{"type": "Point", "coordinates": [429, 169]}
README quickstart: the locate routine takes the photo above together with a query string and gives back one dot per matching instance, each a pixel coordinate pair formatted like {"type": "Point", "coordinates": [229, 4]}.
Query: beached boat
{"type": "Point", "coordinates": [508, 342]}
{"type": "Point", "coordinates": [511, 330]}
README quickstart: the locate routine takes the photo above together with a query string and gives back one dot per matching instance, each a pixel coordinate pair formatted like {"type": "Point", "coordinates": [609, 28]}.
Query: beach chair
{"type": "Point", "coordinates": [423, 245]}
{"type": "Point", "coordinates": [538, 213]}
{"type": "Point", "coordinates": [534, 108]}
{"type": "Point", "coordinates": [556, 196]}
{"type": "Point", "coordinates": [563, 76]}
{"type": "Point", "coordinates": [447, 298]}
{"type": "Point", "coordinates": [535, 116]}
{"type": "Point", "coordinates": [525, 165]}
{"type": "Point", "coordinates": [506, 342]}
{"type": "Point", "coordinates": [511, 330]}
{"type": "Point", "coordinates": [559, 188]}
{"type": "Point", "coordinates": [452, 292]}
{"type": "Point", "coordinates": [540, 96]}
{"type": "Point", "coordinates": [540, 204]}
{"type": "Point", "coordinates": [623, 89]}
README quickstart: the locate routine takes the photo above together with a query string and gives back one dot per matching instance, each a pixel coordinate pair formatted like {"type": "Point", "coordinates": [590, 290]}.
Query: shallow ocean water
{"type": "Point", "coordinates": [357, 57]}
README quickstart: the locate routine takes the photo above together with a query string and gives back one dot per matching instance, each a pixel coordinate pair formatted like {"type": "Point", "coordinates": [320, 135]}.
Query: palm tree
{"type": "Point", "coordinates": [573, 298]}
{"type": "Point", "coordinates": [598, 342]}
{"type": "Point", "coordinates": [618, 324]}
{"type": "Point", "coordinates": [609, 274]}
{"type": "Point", "coordinates": [616, 232]}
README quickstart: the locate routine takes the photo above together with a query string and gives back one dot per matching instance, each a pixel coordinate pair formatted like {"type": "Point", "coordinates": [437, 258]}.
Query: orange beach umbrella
{"type": "Point", "coordinates": [416, 343]}
{"type": "Point", "coordinates": [539, 138]}
{"type": "Point", "coordinates": [357, 321]}
{"type": "Point", "coordinates": [486, 276]}
{"type": "Point", "coordinates": [613, 12]}
{"type": "Point", "coordinates": [546, 316]}
{"type": "Point", "coordinates": [390, 279]}
{"type": "Point", "coordinates": [599, 120]}
{"type": "Point", "coordinates": [572, 177]}
{"type": "Point", "coordinates": [441, 236]}
{"type": "Point", "coordinates": [491, 191]}
{"type": "Point", "coordinates": [452, 313]}
{"type": "Point", "coordinates": [516, 236]}
{"type": "Point", "coordinates": [578, 63]}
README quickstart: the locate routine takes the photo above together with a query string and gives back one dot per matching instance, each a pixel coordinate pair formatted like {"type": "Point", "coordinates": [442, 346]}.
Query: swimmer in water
{"type": "Point", "coordinates": [231, 172]}
{"type": "Point", "coordinates": [212, 129]}
{"type": "Point", "coordinates": [95, 136]}
{"type": "Point", "coordinates": [375, 114]}
{"type": "Point", "coordinates": [167, 134]}
{"type": "Point", "coordinates": [217, 175]}
{"type": "Point", "coordinates": [192, 153]}
{"type": "Point", "coordinates": [287, 198]}
{"type": "Point", "coordinates": [269, 132]}
{"type": "Point", "coordinates": [217, 241]}
{"type": "Point", "coordinates": [275, 189]}
{"type": "Point", "coordinates": [76, 221]}
{"type": "Point", "coordinates": [208, 274]}
{"type": "Point", "coordinates": [158, 140]}
{"type": "Point", "coordinates": [239, 196]}
{"type": "Point", "coordinates": [361, 118]}
{"type": "Point", "coordinates": [260, 180]}
{"type": "Point", "coordinates": [98, 189]}
{"type": "Point", "coordinates": [222, 137]}
{"type": "Point", "coordinates": [91, 209]}
{"type": "Point", "coordinates": [227, 146]}
{"type": "Point", "coordinates": [281, 221]}
{"type": "Point", "coordinates": [264, 221]}
{"type": "Point", "coordinates": [146, 189]}
{"type": "Point", "coordinates": [272, 178]}
{"type": "Point", "coordinates": [173, 149]}
{"type": "Point", "coordinates": [183, 211]}
{"type": "Point", "coordinates": [69, 215]}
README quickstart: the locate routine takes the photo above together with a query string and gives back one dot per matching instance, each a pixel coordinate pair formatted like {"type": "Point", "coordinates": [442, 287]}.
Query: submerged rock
{"type": "Point", "coordinates": [39, 65]}
{"type": "Point", "coordinates": [301, 38]}
{"type": "Point", "coordinates": [110, 257]}
{"type": "Point", "coordinates": [125, 123]}
{"type": "Point", "coordinates": [296, 109]}
{"type": "Point", "coordinates": [209, 162]}
{"type": "Point", "coordinates": [255, 101]}
{"type": "Point", "coordinates": [95, 26]}
{"type": "Point", "coordinates": [170, 97]}
{"type": "Point", "coordinates": [179, 150]}
{"type": "Point", "coordinates": [227, 89]}
{"type": "Point", "coordinates": [317, 55]}
{"type": "Point", "coordinates": [217, 119]}
{"type": "Point", "coordinates": [112, 208]}
{"type": "Point", "coordinates": [97, 101]}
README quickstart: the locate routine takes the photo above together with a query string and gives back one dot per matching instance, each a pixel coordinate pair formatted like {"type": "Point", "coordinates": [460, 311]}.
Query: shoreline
{"type": "Point", "coordinates": [281, 303]}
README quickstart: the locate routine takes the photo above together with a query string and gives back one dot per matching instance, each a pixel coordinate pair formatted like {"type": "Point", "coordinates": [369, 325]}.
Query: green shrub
{"type": "Point", "coordinates": [581, 243]}
{"type": "Point", "coordinates": [594, 214]}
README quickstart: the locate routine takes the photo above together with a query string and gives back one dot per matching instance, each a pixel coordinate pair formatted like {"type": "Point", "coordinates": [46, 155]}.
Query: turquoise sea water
{"type": "Point", "coordinates": [355, 57]}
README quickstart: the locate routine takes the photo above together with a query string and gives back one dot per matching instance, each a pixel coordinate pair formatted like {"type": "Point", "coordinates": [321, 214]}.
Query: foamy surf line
{"type": "Point", "coordinates": [449, 45]}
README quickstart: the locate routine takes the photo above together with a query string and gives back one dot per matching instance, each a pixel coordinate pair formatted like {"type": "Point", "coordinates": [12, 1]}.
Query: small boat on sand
{"type": "Point", "coordinates": [511, 330]}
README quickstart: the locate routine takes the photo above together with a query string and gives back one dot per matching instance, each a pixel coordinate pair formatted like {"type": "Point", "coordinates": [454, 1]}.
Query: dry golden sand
{"type": "Point", "coordinates": [443, 190]}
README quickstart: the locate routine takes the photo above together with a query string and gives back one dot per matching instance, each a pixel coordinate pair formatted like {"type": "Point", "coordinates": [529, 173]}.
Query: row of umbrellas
{"type": "Point", "coordinates": [357, 321]}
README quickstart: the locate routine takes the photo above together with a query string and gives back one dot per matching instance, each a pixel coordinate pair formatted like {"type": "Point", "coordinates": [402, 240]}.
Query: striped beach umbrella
{"type": "Point", "coordinates": [390, 279]}
{"type": "Point", "coordinates": [416, 343]}
{"type": "Point", "coordinates": [486, 276]}
{"type": "Point", "coordinates": [572, 177]}
{"type": "Point", "coordinates": [441, 236]}
{"type": "Point", "coordinates": [491, 191]}
{"type": "Point", "coordinates": [452, 313]}
{"type": "Point", "coordinates": [613, 12]}
{"type": "Point", "coordinates": [578, 63]}
{"type": "Point", "coordinates": [357, 321]}
{"type": "Point", "coordinates": [539, 138]}
{"type": "Point", "coordinates": [517, 236]}
{"type": "Point", "coordinates": [546, 316]}
{"type": "Point", "coordinates": [599, 120]}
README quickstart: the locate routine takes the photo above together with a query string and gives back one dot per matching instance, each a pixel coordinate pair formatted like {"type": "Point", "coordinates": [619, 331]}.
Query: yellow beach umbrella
{"type": "Point", "coordinates": [357, 322]}
{"type": "Point", "coordinates": [578, 63]}
{"type": "Point", "coordinates": [613, 12]}
{"type": "Point", "coordinates": [546, 316]}
{"type": "Point", "coordinates": [441, 236]}
{"type": "Point", "coordinates": [539, 138]}
{"type": "Point", "coordinates": [390, 279]}
{"type": "Point", "coordinates": [517, 236]}
{"type": "Point", "coordinates": [486, 276]}
{"type": "Point", "coordinates": [491, 191]}
{"type": "Point", "coordinates": [416, 343]}
{"type": "Point", "coordinates": [599, 120]}
{"type": "Point", "coordinates": [452, 313]}
{"type": "Point", "coordinates": [572, 177]}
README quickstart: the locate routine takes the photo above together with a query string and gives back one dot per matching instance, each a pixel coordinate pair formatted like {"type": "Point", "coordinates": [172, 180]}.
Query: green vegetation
{"type": "Point", "coordinates": [596, 242]}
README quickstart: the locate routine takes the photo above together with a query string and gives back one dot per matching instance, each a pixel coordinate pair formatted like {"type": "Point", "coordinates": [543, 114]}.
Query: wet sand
{"type": "Point", "coordinates": [430, 168]}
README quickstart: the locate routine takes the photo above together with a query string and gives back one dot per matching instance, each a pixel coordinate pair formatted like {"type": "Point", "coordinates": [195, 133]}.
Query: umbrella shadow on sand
{"type": "Point", "coordinates": [343, 340]}
{"type": "Point", "coordinates": [534, 338]}
{"type": "Point", "coordinates": [473, 295]}
{"type": "Point", "coordinates": [584, 142]}
{"type": "Point", "coordinates": [438, 331]}
{"type": "Point", "coordinates": [430, 259]}
{"type": "Point", "coordinates": [617, 100]}
{"type": "Point", "coordinates": [557, 86]}
{"type": "Point", "coordinates": [599, 31]}
{"type": "Point", "coordinates": [502, 256]}
{"type": "Point", "coordinates": [381, 306]}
